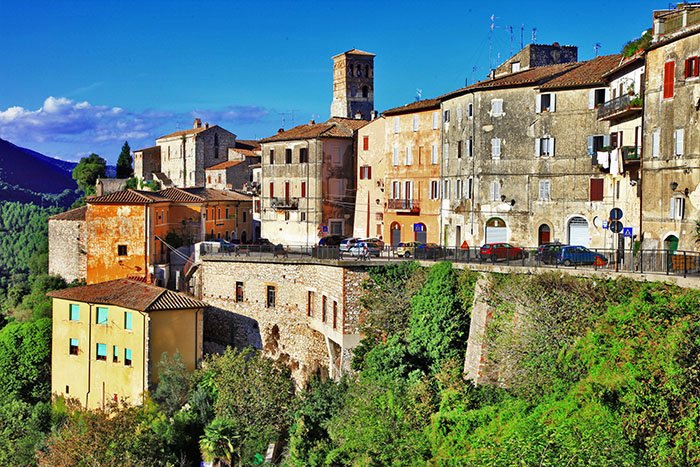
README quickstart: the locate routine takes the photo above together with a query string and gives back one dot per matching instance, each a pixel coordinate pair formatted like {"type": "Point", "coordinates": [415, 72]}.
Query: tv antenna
{"type": "Point", "coordinates": [534, 35]}
{"type": "Point", "coordinates": [284, 116]}
{"type": "Point", "coordinates": [419, 94]}
{"type": "Point", "coordinates": [596, 47]}
{"type": "Point", "coordinates": [493, 26]}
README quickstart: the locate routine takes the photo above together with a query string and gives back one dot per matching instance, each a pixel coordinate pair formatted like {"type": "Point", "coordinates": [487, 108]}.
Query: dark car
{"type": "Point", "coordinates": [496, 251]}
{"type": "Point", "coordinates": [548, 253]}
{"type": "Point", "coordinates": [261, 244]}
{"type": "Point", "coordinates": [331, 240]}
{"type": "Point", "coordinates": [576, 254]}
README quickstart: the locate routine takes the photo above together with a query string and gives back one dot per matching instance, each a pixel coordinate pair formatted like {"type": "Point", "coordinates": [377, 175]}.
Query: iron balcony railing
{"type": "Point", "coordinates": [617, 105]}
{"type": "Point", "coordinates": [285, 203]}
{"type": "Point", "coordinates": [404, 204]}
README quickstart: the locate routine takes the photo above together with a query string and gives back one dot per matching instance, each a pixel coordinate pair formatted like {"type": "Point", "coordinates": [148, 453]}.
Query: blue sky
{"type": "Point", "coordinates": [83, 76]}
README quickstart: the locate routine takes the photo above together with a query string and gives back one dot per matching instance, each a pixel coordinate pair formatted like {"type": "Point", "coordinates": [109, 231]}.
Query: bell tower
{"type": "Point", "coordinates": [353, 85]}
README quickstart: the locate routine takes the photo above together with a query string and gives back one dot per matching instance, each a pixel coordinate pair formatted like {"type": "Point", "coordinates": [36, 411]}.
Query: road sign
{"type": "Point", "coordinates": [616, 226]}
{"type": "Point", "coordinates": [605, 224]}
{"type": "Point", "coordinates": [616, 214]}
{"type": "Point", "coordinates": [418, 227]}
{"type": "Point", "coordinates": [464, 246]}
{"type": "Point", "coordinates": [627, 232]}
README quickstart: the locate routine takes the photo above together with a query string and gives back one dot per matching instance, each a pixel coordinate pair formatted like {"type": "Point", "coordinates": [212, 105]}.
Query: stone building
{"type": "Point", "coordinates": [108, 338]}
{"type": "Point", "coordinates": [536, 55]}
{"type": "Point", "coordinates": [304, 313]}
{"type": "Point", "coordinates": [371, 166]}
{"type": "Point", "coordinates": [68, 241]}
{"type": "Point", "coordinates": [308, 177]}
{"type": "Point", "coordinates": [353, 85]}
{"type": "Point", "coordinates": [412, 172]}
{"type": "Point", "coordinates": [670, 153]}
{"type": "Point", "coordinates": [146, 163]}
{"type": "Point", "coordinates": [533, 179]}
{"type": "Point", "coordinates": [109, 185]}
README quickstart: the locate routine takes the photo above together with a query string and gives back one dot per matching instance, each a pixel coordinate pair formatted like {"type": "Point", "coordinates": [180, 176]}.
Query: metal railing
{"type": "Point", "coordinates": [404, 204]}
{"type": "Point", "coordinates": [668, 262]}
{"type": "Point", "coordinates": [616, 105]}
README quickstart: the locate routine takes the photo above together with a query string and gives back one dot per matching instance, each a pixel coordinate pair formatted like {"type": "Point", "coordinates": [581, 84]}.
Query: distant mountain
{"type": "Point", "coordinates": [61, 164]}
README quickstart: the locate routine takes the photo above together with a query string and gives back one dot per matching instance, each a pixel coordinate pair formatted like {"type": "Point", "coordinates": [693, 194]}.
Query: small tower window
{"type": "Point", "coordinates": [365, 91]}
{"type": "Point", "coordinates": [359, 70]}
{"type": "Point", "coordinates": [366, 71]}
{"type": "Point", "coordinates": [350, 69]}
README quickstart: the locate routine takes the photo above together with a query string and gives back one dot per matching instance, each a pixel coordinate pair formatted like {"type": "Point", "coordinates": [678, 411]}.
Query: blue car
{"type": "Point", "coordinates": [569, 255]}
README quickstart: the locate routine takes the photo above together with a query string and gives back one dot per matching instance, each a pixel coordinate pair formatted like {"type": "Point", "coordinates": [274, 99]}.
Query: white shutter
{"type": "Point", "coordinates": [396, 156]}
{"type": "Point", "coordinates": [681, 207]}
{"type": "Point", "coordinates": [415, 123]}
{"type": "Point", "coordinates": [590, 145]}
{"type": "Point", "coordinates": [396, 124]}
{"type": "Point", "coordinates": [552, 102]}
{"type": "Point", "coordinates": [435, 154]}
{"type": "Point", "coordinates": [673, 208]}
{"type": "Point", "coordinates": [409, 156]}
{"type": "Point", "coordinates": [606, 141]}
{"type": "Point", "coordinates": [446, 151]}
{"type": "Point", "coordinates": [540, 195]}
{"type": "Point", "coordinates": [459, 113]}
{"type": "Point", "coordinates": [496, 147]}
{"type": "Point", "coordinates": [679, 142]}
{"type": "Point", "coordinates": [469, 148]}
{"type": "Point", "coordinates": [551, 147]}
{"type": "Point", "coordinates": [538, 104]}
{"type": "Point", "coordinates": [435, 120]}
{"type": "Point", "coordinates": [607, 94]}
{"type": "Point", "coordinates": [537, 147]}
{"type": "Point", "coordinates": [495, 191]}
{"type": "Point", "coordinates": [409, 190]}
{"type": "Point", "coordinates": [655, 136]}
{"type": "Point", "coordinates": [591, 98]}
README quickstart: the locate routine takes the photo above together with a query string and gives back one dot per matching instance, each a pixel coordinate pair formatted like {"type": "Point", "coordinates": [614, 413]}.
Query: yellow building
{"type": "Point", "coordinates": [109, 337]}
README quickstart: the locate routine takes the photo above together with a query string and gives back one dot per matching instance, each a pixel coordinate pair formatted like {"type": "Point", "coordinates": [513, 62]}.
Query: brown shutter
{"type": "Point", "coordinates": [596, 189]}
{"type": "Point", "coordinates": [669, 70]}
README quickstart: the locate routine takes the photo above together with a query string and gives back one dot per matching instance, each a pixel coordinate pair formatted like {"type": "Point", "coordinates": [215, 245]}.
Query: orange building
{"type": "Point", "coordinates": [412, 173]}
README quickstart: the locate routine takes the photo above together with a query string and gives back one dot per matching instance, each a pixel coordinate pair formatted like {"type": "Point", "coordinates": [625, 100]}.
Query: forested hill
{"type": "Point", "coordinates": [29, 177]}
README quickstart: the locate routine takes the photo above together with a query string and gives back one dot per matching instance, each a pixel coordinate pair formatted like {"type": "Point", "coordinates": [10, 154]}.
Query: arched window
{"type": "Point", "coordinates": [359, 70]}
{"type": "Point", "coordinates": [351, 70]}
{"type": "Point", "coordinates": [365, 91]}
{"type": "Point", "coordinates": [420, 233]}
{"type": "Point", "coordinates": [216, 139]}
{"type": "Point", "coordinates": [671, 243]}
{"type": "Point", "coordinates": [395, 234]}
{"type": "Point", "coordinates": [366, 71]}
{"type": "Point", "coordinates": [496, 231]}
{"type": "Point", "coordinates": [578, 231]}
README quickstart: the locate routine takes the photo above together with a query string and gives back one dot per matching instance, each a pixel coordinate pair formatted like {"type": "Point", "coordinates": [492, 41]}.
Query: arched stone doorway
{"type": "Point", "coordinates": [671, 243]}
{"type": "Point", "coordinates": [578, 231]}
{"type": "Point", "coordinates": [544, 235]}
{"type": "Point", "coordinates": [420, 233]}
{"type": "Point", "coordinates": [496, 231]}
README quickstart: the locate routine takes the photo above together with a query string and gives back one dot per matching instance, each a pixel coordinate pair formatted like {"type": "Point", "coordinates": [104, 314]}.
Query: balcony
{"type": "Point", "coordinates": [625, 106]}
{"type": "Point", "coordinates": [404, 205]}
{"type": "Point", "coordinates": [285, 203]}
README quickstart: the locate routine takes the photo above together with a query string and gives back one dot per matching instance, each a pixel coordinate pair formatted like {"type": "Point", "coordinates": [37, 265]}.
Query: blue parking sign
{"type": "Point", "coordinates": [605, 224]}
{"type": "Point", "coordinates": [627, 232]}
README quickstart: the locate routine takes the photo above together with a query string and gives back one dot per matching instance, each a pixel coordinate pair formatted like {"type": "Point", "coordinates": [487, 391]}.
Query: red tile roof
{"type": "Point", "coordinates": [335, 127]}
{"type": "Point", "coordinates": [425, 104]}
{"type": "Point", "coordinates": [129, 293]}
{"type": "Point", "coordinates": [201, 194]}
{"type": "Point", "coordinates": [588, 73]}
{"type": "Point", "coordinates": [129, 196]}
{"type": "Point", "coordinates": [247, 144]}
{"type": "Point", "coordinates": [352, 123]}
{"type": "Point", "coordinates": [151, 149]}
{"type": "Point", "coordinates": [356, 52]}
{"type": "Point", "coordinates": [223, 165]}
{"type": "Point", "coordinates": [191, 131]}
{"type": "Point", "coordinates": [247, 152]}
{"type": "Point", "coordinates": [77, 214]}
{"type": "Point", "coordinates": [638, 58]}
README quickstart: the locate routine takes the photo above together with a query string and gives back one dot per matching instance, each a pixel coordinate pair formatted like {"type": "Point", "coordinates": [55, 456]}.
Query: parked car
{"type": "Point", "coordinates": [496, 251]}
{"type": "Point", "coordinates": [222, 242]}
{"type": "Point", "coordinates": [408, 249]}
{"type": "Point", "coordinates": [548, 252]}
{"type": "Point", "coordinates": [577, 254]}
{"type": "Point", "coordinates": [429, 251]}
{"type": "Point", "coordinates": [331, 240]}
{"type": "Point", "coordinates": [348, 243]}
{"type": "Point", "coordinates": [358, 249]}
{"type": "Point", "coordinates": [380, 243]}
{"type": "Point", "coordinates": [261, 244]}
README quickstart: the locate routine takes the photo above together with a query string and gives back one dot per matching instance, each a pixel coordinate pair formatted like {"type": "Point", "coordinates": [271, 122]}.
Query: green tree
{"type": "Point", "coordinates": [25, 361]}
{"type": "Point", "coordinates": [88, 170]}
{"type": "Point", "coordinates": [174, 384]}
{"type": "Point", "coordinates": [22, 429]}
{"type": "Point", "coordinates": [125, 161]}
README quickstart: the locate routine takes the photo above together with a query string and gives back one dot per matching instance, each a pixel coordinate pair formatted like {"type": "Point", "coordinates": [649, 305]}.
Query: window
{"type": "Point", "coordinates": [73, 347]}
{"type": "Point", "coordinates": [597, 97]}
{"type": "Point", "coordinates": [395, 190]}
{"type": "Point", "coordinates": [678, 142]}
{"type": "Point", "coordinates": [272, 156]}
{"type": "Point", "coordinates": [446, 115]}
{"type": "Point", "coordinates": [469, 147]}
{"type": "Point", "coordinates": [596, 189]}
{"type": "Point", "coordinates": [365, 91]}
{"type": "Point", "coordinates": [495, 191]}
{"type": "Point", "coordinates": [446, 151]}
{"type": "Point", "coordinates": [102, 352]}
{"type": "Point", "coordinates": [288, 156]}
{"type": "Point", "coordinates": [408, 190]}
{"type": "Point", "coordinates": [434, 193]}
{"type": "Point", "coordinates": [121, 250]}
{"type": "Point", "coordinates": [115, 354]}
{"type": "Point", "coordinates": [655, 140]}
{"type": "Point", "coordinates": [434, 155]}
{"type": "Point", "coordinates": [497, 107]}
{"type": "Point", "coordinates": [691, 67]}
{"type": "Point", "coordinates": [496, 147]}
{"type": "Point", "coordinates": [127, 357]}
{"type": "Point", "coordinates": [515, 67]}
{"type": "Point", "coordinates": [324, 307]}
{"type": "Point", "coordinates": [303, 155]}
{"type": "Point", "coordinates": [351, 69]}
{"type": "Point", "coordinates": [436, 120]}
{"type": "Point", "coordinates": [409, 156]}
{"type": "Point", "coordinates": [396, 124]}
{"type": "Point", "coordinates": [337, 157]}
{"type": "Point", "coordinates": [102, 315]}
{"type": "Point", "coordinates": [239, 292]}
{"type": "Point", "coordinates": [74, 312]}
{"type": "Point", "coordinates": [544, 147]}
{"type": "Point", "coordinates": [303, 195]}
{"type": "Point", "coordinates": [458, 189]}
{"type": "Point", "coordinates": [310, 303]}
{"type": "Point", "coordinates": [227, 213]}
{"type": "Point", "coordinates": [544, 190]}
{"type": "Point", "coordinates": [470, 110]}
{"type": "Point", "coordinates": [459, 149]}
{"type": "Point", "coordinates": [677, 207]}
{"type": "Point", "coordinates": [365, 172]}
{"type": "Point", "coordinates": [365, 143]}
{"type": "Point", "coordinates": [545, 103]}
{"type": "Point", "coordinates": [396, 156]}
{"type": "Point", "coordinates": [597, 143]}
{"type": "Point", "coordinates": [244, 212]}
{"type": "Point", "coordinates": [336, 188]}
{"type": "Point", "coordinates": [270, 303]}
{"type": "Point", "coordinates": [335, 314]}
{"type": "Point", "coordinates": [669, 71]}
{"type": "Point", "coordinates": [459, 113]}
{"type": "Point", "coordinates": [470, 185]}
{"type": "Point", "coordinates": [336, 227]}
{"type": "Point", "coordinates": [415, 123]}
{"type": "Point", "coordinates": [302, 216]}
{"type": "Point", "coordinates": [446, 189]}
{"type": "Point", "coordinates": [272, 189]}
{"type": "Point", "coordinates": [128, 324]}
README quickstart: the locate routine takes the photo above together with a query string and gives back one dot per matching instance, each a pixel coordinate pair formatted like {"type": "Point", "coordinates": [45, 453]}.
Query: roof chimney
{"type": "Point", "coordinates": [358, 115]}
{"type": "Point", "coordinates": [373, 114]}
{"type": "Point", "coordinates": [556, 44]}
{"type": "Point", "coordinates": [206, 125]}
{"type": "Point", "coordinates": [197, 123]}
{"type": "Point", "coordinates": [312, 122]}
{"type": "Point", "coordinates": [280, 131]}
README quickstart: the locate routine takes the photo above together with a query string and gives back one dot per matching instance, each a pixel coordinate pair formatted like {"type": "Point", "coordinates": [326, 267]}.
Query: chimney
{"type": "Point", "coordinates": [358, 115]}
{"type": "Point", "coordinates": [206, 125]}
{"type": "Point", "coordinates": [373, 115]}
{"type": "Point", "coordinates": [312, 122]}
{"type": "Point", "coordinates": [280, 131]}
{"type": "Point", "coordinates": [556, 44]}
{"type": "Point", "coordinates": [197, 123]}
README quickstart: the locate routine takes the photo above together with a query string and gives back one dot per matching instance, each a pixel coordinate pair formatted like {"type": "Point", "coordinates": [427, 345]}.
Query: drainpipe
{"type": "Point", "coordinates": [146, 360]}
{"type": "Point", "coordinates": [474, 146]}
{"type": "Point", "coordinates": [87, 394]}
{"type": "Point", "coordinates": [642, 86]}
{"type": "Point", "coordinates": [441, 188]}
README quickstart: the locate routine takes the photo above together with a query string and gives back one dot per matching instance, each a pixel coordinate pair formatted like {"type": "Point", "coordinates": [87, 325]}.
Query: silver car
{"type": "Point", "coordinates": [358, 249]}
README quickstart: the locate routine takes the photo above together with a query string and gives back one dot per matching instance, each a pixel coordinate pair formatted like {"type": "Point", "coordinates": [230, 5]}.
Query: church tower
{"type": "Point", "coordinates": [353, 84]}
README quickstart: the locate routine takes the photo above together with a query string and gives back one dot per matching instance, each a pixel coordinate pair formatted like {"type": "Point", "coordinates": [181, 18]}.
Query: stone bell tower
{"type": "Point", "coordinates": [353, 85]}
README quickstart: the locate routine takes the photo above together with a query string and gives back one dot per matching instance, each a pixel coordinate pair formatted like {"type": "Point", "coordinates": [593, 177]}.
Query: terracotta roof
{"type": "Point", "coordinates": [246, 152]}
{"type": "Point", "coordinates": [353, 123]}
{"type": "Point", "coordinates": [77, 214]}
{"type": "Point", "coordinates": [247, 144]}
{"type": "Point", "coordinates": [588, 73]}
{"type": "Point", "coordinates": [131, 294]}
{"type": "Point", "coordinates": [627, 61]}
{"type": "Point", "coordinates": [223, 165]}
{"type": "Point", "coordinates": [191, 131]}
{"type": "Point", "coordinates": [152, 148]}
{"type": "Point", "coordinates": [414, 107]}
{"type": "Point", "coordinates": [335, 127]}
{"type": "Point", "coordinates": [129, 196]}
{"type": "Point", "coordinates": [356, 52]}
{"type": "Point", "coordinates": [201, 194]}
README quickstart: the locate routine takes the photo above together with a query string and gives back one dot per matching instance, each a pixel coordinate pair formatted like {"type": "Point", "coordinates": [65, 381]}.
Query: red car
{"type": "Point", "coordinates": [496, 251]}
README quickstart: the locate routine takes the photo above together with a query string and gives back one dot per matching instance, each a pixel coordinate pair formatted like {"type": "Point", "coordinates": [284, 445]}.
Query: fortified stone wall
{"type": "Point", "coordinates": [68, 249]}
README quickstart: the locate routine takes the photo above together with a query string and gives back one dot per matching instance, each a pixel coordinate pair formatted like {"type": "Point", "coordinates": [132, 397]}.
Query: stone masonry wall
{"type": "Point", "coordinates": [68, 249]}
